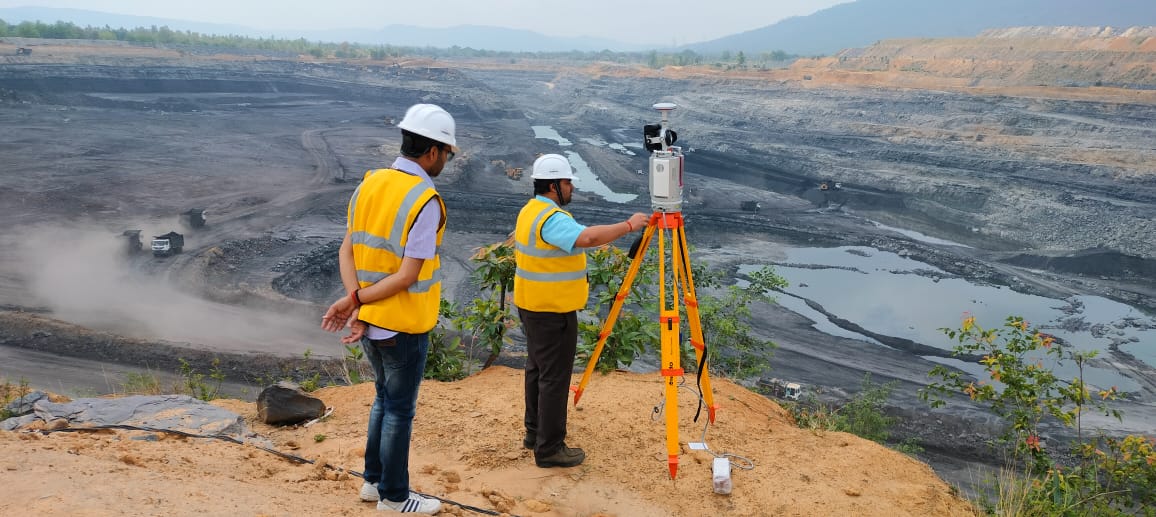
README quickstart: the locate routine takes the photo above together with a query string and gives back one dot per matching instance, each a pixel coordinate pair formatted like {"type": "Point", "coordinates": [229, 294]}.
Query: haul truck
{"type": "Point", "coordinates": [168, 244]}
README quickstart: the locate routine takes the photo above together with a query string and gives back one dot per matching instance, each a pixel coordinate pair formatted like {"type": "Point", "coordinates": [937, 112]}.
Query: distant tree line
{"type": "Point", "coordinates": [149, 36]}
{"type": "Point", "coordinates": [163, 35]}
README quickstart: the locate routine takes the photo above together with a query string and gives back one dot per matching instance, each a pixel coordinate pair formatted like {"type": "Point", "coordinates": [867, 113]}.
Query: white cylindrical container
{"type": "Point", "coordinates": [722, 476]}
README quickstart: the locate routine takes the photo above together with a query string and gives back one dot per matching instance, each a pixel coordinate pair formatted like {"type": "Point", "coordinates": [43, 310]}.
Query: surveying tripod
{"type": "Point", "coordinates": [668, 318]}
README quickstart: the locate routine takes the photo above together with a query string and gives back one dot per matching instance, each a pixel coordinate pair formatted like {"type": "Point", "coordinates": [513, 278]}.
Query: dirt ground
{"type": "Point", "coordinates": [467, 449]}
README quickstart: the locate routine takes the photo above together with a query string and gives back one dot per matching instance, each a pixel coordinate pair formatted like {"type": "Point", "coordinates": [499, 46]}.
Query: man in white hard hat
{"type": "Point", "coordinates": [549, 288]}
{"type": "Point", "coordinates": [392, 274]}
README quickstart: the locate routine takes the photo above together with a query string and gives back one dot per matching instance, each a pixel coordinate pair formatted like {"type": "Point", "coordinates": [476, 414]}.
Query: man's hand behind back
{"type": "Point", "coordinates": [343, 313]}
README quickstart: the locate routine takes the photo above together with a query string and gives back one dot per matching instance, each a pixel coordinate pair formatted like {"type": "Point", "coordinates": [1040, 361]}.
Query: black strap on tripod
{"type": "Point", "coordinates": [701, 367]}
{"type": "Point", "coordinates": [634, 248]}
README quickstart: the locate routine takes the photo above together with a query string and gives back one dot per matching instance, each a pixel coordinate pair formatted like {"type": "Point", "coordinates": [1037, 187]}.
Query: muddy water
{"type": "Point", "coordinates": [896, 296]}
{"type": "Point", "coordinates": [587, 178]}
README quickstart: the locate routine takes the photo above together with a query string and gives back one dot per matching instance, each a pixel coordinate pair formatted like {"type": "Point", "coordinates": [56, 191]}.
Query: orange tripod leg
{"type": "Point", "coordinates": [671, 347]}
{"type": "Point", "coordinates": [669, 334]}
{"type": "Point", "coordinates": [671, 372]}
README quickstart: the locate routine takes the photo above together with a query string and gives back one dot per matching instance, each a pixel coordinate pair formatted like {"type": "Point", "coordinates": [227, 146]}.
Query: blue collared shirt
{"type": "Point", "coordinates": [560, 229]}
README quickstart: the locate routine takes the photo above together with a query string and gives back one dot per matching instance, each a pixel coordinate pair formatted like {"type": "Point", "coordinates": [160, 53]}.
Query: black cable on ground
{"type": "Point", "coordinates": [227, 438]}
{"type": "Point", "coordinates": [737, 461]}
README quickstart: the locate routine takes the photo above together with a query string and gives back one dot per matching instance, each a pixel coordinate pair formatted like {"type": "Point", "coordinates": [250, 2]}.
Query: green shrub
{"type": "Point", "coordinates": [861, 416]}
{"type": "Point", "coordinates": [311, 384]}
{"type": "Point", "coordinates": [196, 384]}
{"type": "Point", "coordinates": [445, 360]}
{"type": "Point", "coordinates": [633, 334]}
{"type": "Point", "coordinates": [488, 318]}
{"type": "Point", "coordinates": [1114, 476]}
{"type": "Point", "coordinates": [1028, 391]}
{"type": "Point", "coordinates": [732, 348]}
{"type": "Point", "coordinates": [145, 383]}
{"type": "Point", "coordinates": [352, 362]}
{"type": "Point", "coordinates": [10, 392]}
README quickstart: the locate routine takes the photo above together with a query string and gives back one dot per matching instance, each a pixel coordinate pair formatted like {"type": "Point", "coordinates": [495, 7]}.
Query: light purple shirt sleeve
{"type": "Point", "coordinates": [422, 242]}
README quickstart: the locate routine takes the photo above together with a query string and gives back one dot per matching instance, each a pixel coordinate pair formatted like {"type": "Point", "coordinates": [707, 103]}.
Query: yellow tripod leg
{"type": "Point", "coordinates": [669, 338]}
{"type": "Point", "coordinates": [696, 336]}
{"type": "Point", "coordinates": [616, 307]}
{"type": "Point", "coordinates": [671, 373]}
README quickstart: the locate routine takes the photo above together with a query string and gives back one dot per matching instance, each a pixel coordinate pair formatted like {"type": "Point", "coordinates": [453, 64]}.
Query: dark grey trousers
{"type": "Point", "coordinates": [551, 341]}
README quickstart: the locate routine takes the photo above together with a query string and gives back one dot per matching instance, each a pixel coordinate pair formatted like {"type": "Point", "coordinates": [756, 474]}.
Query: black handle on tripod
{"type": "Point", "coordinates": [634, 247]}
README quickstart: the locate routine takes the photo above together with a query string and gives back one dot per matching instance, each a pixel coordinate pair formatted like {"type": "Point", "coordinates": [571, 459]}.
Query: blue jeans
{"type": "Point", "coordinates": [398, 366]}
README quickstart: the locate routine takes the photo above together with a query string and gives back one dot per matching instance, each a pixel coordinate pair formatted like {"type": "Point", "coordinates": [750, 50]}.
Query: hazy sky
{"type": "Point", "coordinates": [629, 21]}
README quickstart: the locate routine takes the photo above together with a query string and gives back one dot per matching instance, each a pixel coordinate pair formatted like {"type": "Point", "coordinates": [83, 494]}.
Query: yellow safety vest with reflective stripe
{"type": "Point", "coordinates": [548, 278]}
{"type": "Point", "coordinates": [381, 213]}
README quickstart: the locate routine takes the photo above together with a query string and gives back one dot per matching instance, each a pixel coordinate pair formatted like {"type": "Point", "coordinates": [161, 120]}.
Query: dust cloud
{"type": "Point", "coordinates": [85, 276]}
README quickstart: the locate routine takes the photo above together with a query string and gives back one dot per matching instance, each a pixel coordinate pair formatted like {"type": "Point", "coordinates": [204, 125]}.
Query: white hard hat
{"type": "Point", "coordinates": [552, 167]}
{"type": "Point", "coordinates": [430, 121]}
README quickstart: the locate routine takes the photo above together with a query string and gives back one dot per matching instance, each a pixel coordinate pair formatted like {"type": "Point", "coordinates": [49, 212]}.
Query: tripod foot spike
{"type": "Point", "coordinates": [578, 395]}
{"type": "Point", "coordinates": [709, 412]}
{"type": "Point", "coordinates": [673, 462]}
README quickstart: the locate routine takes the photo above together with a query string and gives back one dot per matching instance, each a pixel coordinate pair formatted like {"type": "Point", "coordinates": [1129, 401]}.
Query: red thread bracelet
{"type": "Point", "coordinates": [629, 227]}
{"type": "Point", "coordinates": [356, 299]}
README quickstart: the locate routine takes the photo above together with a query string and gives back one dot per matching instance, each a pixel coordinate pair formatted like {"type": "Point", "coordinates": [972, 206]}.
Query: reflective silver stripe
{"type": "Point", "coordinates": [536, 226]}
{"type": "Point", "coordinates": [393, 244]}
{"type": "Point", "coordinates": [421, 286]}
{"type": "Point", "coordinates": [352, 207]}
{"type": "Point", "coordinates": [424, 286]}
{"type": "Point", "coordinates": [564, 276]}
{"type": "Point", "coordinates": [376, 242]}
{"type": "Point", "coordinates": [541, 253]}
{"type": "Point", "coordinates": [370, 277]}
{"type": "Point", "coordinates": [403, 212]}
{"type": "Point", "coordinates": [532, 248]}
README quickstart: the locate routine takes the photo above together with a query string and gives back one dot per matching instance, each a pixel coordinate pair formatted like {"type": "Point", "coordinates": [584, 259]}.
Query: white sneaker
{"type": "Point", "coordinates": [416, 503]}
{"type": "Point", "coordinates": [369, 493]}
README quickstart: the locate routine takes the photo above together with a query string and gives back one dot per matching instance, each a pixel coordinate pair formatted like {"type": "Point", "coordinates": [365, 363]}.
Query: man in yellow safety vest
{"type": "Point", "coordinates": [391, 269]}
{"type": "Point", "coordinates": [549, 288]}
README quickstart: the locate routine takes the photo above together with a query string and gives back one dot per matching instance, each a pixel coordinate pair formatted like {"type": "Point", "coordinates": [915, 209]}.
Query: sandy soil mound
{"type": "Point", "coordinates": [467, 448]}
